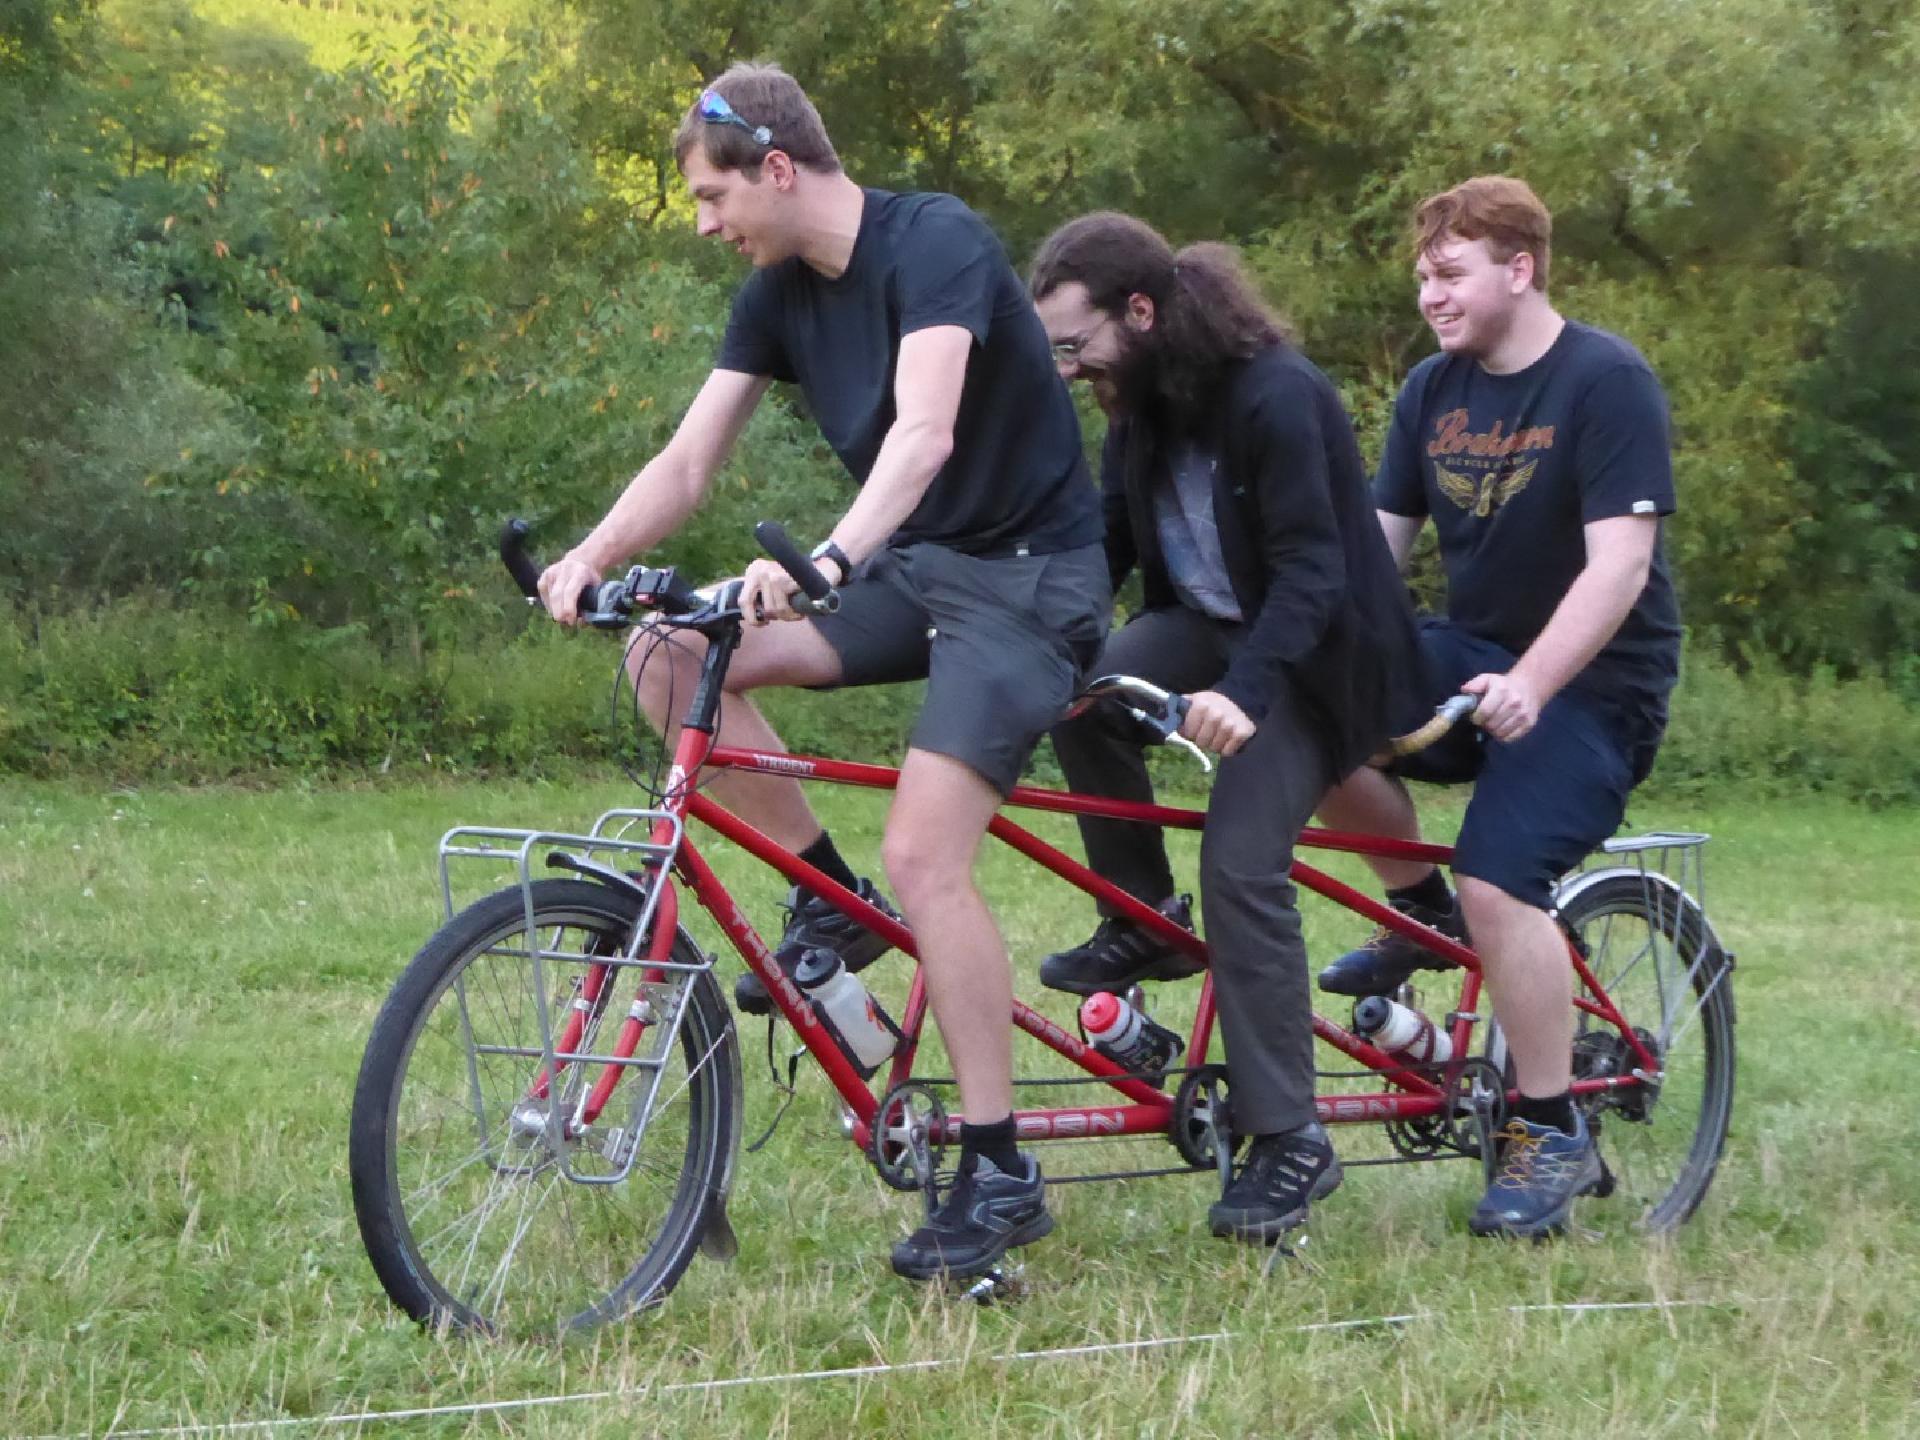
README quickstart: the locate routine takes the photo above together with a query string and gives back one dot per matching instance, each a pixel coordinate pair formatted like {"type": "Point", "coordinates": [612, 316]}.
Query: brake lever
{"type": "Point", "coordinates": [1169, 730]}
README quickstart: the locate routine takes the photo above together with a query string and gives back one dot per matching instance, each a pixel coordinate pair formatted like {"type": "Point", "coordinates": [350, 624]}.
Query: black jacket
{"type": "Point", "coordinates": [1326, 612]}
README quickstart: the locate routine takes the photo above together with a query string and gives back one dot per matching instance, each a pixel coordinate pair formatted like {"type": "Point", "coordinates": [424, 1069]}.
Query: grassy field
{"type": "Point", "coordinates": [192, 979]}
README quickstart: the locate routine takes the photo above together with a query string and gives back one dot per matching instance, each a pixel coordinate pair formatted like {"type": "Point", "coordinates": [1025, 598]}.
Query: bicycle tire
{"type": "Point", "coordinates": [1650, 947]}
{"type": "Point", "coordinates": [469, 1222]}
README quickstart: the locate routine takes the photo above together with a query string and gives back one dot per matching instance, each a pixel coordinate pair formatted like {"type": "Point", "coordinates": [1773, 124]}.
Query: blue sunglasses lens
{"type": "Point", "coordinates": [715, 110]}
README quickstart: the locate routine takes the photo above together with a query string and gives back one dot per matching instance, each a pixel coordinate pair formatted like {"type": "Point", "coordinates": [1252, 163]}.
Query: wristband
{"type": "Point", "coordinates": [827, 550]}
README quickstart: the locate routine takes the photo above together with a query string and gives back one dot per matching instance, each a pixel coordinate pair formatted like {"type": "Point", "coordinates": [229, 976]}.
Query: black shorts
{"type": "Point", "coordinates": [1004, 642]}
{"type": "Point", "coordinates": [1543, 802]}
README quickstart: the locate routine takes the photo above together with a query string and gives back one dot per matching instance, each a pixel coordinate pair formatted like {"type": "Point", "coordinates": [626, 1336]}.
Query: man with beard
{"type": "Point", "coordinates": [1231, 477]}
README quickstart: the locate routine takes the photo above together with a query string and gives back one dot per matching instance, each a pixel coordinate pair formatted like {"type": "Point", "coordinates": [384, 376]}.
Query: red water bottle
{"type": "Point", "coordinates": [1128, 1038]}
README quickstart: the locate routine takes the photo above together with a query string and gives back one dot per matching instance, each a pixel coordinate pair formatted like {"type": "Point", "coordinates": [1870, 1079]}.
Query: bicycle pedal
{"type": "Point", "coordinates": [1003, 1282]}
{"type": "Point", "coordinates": [1606, 1184]}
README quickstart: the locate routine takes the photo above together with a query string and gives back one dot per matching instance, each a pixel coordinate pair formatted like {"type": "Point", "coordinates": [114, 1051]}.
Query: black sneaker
{"type": "Point", "coordinates": [1281, 1176]}
{"type": "Point", "coordinates": [1382, 965]}
{"type": "Point", "coordinates": [987, 1213]}
{"type": "Point", "coordinates": [813, 924]}
{"type": "Point", "coordinates": [1541, 1171]}
{"type": "Point", "coordinates": [1120, 954]}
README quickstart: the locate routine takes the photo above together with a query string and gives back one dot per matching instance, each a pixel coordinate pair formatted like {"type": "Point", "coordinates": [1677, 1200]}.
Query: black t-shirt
{"type": "Point", "coordinates": [1511, 467]}
{"type": "Point", "coordinates": [1017, 473]}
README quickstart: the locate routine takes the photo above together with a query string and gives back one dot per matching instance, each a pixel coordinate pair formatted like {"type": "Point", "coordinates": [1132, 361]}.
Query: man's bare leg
{"type": "Point", "coordinates": [1525, 963]}
{"type": "Point", "coordinates": [789, 653]}
{"type": "Point", "coordinates": [939, 815]}
{"type": "Point", "coordinates": [1372, 802]}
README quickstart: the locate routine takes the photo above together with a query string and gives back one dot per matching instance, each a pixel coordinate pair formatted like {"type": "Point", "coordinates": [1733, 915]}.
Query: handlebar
{"type": "Point", "coordinates": [1450, 713]}
{"type": "Point", "coordinates": [1161, 711]}
{"type": "Point", "coordinates": [610, 605]}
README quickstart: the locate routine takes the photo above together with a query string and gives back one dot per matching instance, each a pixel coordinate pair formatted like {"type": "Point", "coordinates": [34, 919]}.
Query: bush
{"type": "Point", "coordinates": [1767, 732]}
{"type": "Point", "coordinates": [147, 690]}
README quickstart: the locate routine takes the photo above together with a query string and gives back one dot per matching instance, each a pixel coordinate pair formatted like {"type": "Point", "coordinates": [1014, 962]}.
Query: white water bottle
{"type": "Point", "coordinates": [1402, 1033]}
{"type": "Point", "coordinates": [866, 1033]}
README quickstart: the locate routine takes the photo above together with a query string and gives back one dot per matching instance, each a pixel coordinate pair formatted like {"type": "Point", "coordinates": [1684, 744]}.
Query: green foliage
{"type": "Point", "coordinates": [1762, 731]}
{"type": "Point", "coordinates": [301, 298]}
{"type": "Point", "coordinates": [143, 688]}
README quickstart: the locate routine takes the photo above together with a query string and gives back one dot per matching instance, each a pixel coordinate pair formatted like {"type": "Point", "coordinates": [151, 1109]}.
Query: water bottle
{"type": "Point", "coordinates": [865, 1032]}
{"type": "Point", "coordinates": [1128, 1038]}
{"type": "Point", "coordinates": [1404, 1034]}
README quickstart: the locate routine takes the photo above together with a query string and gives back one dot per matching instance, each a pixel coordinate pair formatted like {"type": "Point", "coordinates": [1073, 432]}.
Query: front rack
{"type": "Point", "coordinates": [538, 1130]}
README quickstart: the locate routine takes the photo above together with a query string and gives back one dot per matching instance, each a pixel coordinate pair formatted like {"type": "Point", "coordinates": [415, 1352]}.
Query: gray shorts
{"type": "Point", "coordinates": [1003, 643]}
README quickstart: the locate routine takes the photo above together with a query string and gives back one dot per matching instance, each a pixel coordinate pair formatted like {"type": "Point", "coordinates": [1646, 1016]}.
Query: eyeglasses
{"type": "Point", "coordinates": [1068, 351]}
{"type": "Point", "coordinates": [715, 110]}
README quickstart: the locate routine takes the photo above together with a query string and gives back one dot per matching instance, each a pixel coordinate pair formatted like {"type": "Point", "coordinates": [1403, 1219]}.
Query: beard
{"type": "Point", "coordinates": [1132, 380]}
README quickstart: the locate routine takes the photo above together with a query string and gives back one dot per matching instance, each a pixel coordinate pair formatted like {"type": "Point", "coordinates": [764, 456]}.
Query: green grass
{"type": "Point", "coordinates": [193, 975]}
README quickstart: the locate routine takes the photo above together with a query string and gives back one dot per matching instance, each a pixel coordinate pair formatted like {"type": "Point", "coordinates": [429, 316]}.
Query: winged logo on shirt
{"type": "Point", "coordinates": [1483, 494]}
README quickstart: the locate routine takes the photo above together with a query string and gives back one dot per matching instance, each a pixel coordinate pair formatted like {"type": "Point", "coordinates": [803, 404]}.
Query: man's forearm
{"type": "Point", "coordinates": [909, 458]}
{"type": "Point", "coordinates": [1586, 618]}
{"type": "Point", "coordinates": [655, 503]}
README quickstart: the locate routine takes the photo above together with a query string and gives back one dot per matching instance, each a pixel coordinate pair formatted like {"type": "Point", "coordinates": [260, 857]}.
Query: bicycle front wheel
{"type": "Point", "coordinates": [1652, 951]}
{"type": "Point", "coordinates": [478, 1209]}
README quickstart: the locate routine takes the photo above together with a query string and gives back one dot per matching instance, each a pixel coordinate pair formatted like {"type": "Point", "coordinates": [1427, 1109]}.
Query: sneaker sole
{"type": "Point", "coordinates": [1037, 1228]}
{"type": "Point", "coordinates": [1376, 986]}
{"type": "Point", "coordinates": [1553, 1223]}
{"type": "Point", "coordinates": [1174, 969]}
{"type": "Point", "coordinates": [1234, 1224]}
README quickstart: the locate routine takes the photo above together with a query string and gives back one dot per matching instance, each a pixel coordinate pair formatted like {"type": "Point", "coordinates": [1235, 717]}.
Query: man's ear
{"type": "Point", "coordinates": [1139, 312]}
{"type": "Point", "coordinates": [1520, 272]}
{"type": "Point", "coordinates": [779, 168]}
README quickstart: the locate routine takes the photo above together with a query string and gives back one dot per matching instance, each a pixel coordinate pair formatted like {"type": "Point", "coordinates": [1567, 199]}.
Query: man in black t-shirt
{"type": "Point", "coordinates": [970, 556]}
{"type": "Point", "coordinates": [1539, 448]}
{"type": "Point", "coordinates": [1232, 479]}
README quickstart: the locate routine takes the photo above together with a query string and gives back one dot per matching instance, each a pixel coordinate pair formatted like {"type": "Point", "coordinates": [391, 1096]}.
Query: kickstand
{"type": "Point", "coordinates": [1003, 1282]}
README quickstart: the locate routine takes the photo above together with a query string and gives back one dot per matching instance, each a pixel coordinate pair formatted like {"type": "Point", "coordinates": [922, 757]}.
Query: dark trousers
{"type": "Point", "coordinates": [1261, 798]}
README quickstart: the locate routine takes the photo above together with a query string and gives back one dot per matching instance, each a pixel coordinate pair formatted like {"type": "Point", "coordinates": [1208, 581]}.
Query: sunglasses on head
{"type": "Point", "coordinates": [715, 110]}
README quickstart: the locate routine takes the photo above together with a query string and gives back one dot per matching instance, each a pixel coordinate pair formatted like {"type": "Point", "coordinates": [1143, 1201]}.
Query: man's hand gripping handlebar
{"type": "Point", "coordinates": [1161, 711]}
{"type": "Point", "coordinates": [610, 604]}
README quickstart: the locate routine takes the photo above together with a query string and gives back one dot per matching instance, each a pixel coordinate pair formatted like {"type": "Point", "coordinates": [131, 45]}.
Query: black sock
{"type": "Point", "coordinates": [995, 1142]}
{"type": "Point", "coordinates": [822, 855]}
{"type": "Point", "coordinates": [1554, 1110]}
{"type": "Point", "coordinates": [1432, 892]}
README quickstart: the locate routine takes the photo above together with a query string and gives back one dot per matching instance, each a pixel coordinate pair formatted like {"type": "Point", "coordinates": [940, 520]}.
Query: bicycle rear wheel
{"type": "Point", "coordinates": [473, 1214]}
{"type": "Point", "coordinates": [1652, 951]}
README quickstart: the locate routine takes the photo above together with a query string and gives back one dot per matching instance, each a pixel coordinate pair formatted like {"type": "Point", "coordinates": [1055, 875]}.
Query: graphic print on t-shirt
{"type": "Point", "coordinates": [1484, 471]}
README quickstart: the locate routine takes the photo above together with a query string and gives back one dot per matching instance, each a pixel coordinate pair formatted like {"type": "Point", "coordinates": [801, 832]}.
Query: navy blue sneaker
{"type": "Point", "coordinates": [813, 924]}
{"type": "Point", "coordinates": [1541, 1171]}
{"type": "Point", "coordinates": [987, 1213]}
{"type": "Point", "coordinates": [1282, 1175]}
{"type": "Point", "coordinates": [1382, 965]}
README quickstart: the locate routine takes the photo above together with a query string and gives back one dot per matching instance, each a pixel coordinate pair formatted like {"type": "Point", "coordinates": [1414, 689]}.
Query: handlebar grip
{"type": "Point", "coordinates": [779, 545]}
{"type": "Point", "coordinates": [513, 554]}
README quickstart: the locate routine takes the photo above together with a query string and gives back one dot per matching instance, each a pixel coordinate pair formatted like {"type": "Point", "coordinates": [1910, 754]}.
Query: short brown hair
{"type": "Point", "coordinates": [1498, 209]}
{"type": "Point", "coordinates": [761, 94]}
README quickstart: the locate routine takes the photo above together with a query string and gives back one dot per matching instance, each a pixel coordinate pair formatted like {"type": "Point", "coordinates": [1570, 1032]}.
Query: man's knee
{"type": "Point", "coordinates": [924, 864]}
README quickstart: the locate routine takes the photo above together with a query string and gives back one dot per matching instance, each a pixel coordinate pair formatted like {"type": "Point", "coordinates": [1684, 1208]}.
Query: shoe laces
{"type": "Point", "coordinates": [1524, 1162]}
